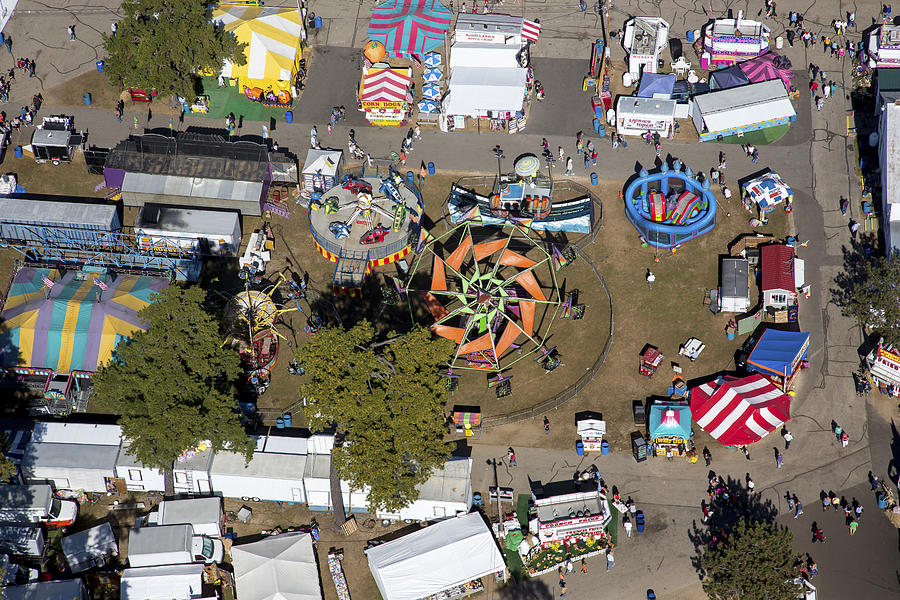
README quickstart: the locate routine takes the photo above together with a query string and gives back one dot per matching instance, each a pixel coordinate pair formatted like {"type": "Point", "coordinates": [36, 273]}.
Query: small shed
{"type": "Point", "coordinates": [734, 286]}
{"type": "Point", "coordinates": [591, 432]}
{"type": "Point", "coordinates": [669, 428]}
{"type": "Point", "coordinates": [778, 278]}
{"type": "Point", "coordinates": [321, 170]}
{"type": "Point", "coordinates": [90, 548]}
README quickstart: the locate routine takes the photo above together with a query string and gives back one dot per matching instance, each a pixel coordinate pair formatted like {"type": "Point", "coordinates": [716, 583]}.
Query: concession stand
{"type": "Point", "coordinates": [385, 95]}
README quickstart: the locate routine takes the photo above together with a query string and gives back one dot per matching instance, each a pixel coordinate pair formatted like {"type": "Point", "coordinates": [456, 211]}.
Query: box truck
{"type": "Point", "coordinates": [35, 504]}
{"type": "Point", "coordinates": [171, 545]}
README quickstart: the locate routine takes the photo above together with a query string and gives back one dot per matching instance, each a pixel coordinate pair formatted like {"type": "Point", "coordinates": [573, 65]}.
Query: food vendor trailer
{"type": "Point", "coordinates": [883, 48]}
{"type": "Point", "coordinates": [883, 363]}
{"type": "Point", "coordinates": [737, 110]}
{"type": "Point", "coordinates": [385, 95]}
{"type": "Point", "coordinates": [669, 428]}
{"type": "Point", "coordinates": [734, 286]}
{"type": "Point", "coordinates": [55, 140]}
{"type": "Point", "coordinates": [644, 40]}
{"type": "Point", "coordinates": [637, 116]}
{"type": "Point", "coordinates": [728, 41]}
{"type": "Point", "coordinates": [214, 232]}
{"type": "Point", "coordinates": [779, 355]}
{"type": "Point", "coordinates": [569, 510]}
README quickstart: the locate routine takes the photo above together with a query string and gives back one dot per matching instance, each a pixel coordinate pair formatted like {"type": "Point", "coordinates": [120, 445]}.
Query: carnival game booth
{"type": "Point", "coordinates": [385, 95]}
{"type": "Point", "coordinates": [883, 47]}
{"type": "Point", "coordinates": [273, 37]}
{"type": "Point", "coordinates": [445, 560]}
{"type": "Point", "coordinates": [321, 171]}
{"type": "Point", "coordinates": [738, 411]}
{"type": "Point", "coordinates": [767, 191]}
{"type": "Point", "coordinates": [779, 278]}
{"type": "Point", "coordinates": [738, 110]}
{"type": "Point", "coordinates": [644, 40]}
{"type": "Point", "coordinates": [494, 29]}
{"type": "Point", "coordinates": [408, 28]}
{"type": "Point", "coordinates": [59, 328]}
{"type": "Point", "coordinates": [669, 427]}
{"type": "Point", "coordinates": [779, 355]}
{"type": "Point", "coordinates": [728, 41]}
{"type": "Point", "coordinates": [494, 93]}
{"type": "Point", "coordinates": [636, 116]}
{"type": "Point", "coordinates": [568, 511]}
{"type": "Point", "coordinates": [670, 207]}
{"type": "Point", "coordinates": [766, 67]}
{"type": "Point", "coordinates": [883, 363]}
{"type": "Point", "coordinates": [179, 230]}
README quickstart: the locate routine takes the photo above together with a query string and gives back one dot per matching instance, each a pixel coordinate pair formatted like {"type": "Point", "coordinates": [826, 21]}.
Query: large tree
{"type": "Point", "coordinates": [387, 400]}
{"type": "Point", "coordinates": [871, 295]}
{"type": "Point", "coordinates": [754, 562]}
{"type": "Point", "coordinates": [164, 44]}
{"type": "Point", "coordinates": [8, 468]}
{"type": "Point", "coordinates": [173, 385]}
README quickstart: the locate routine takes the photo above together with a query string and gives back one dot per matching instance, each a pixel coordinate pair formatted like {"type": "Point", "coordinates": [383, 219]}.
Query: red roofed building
{"type": "Point", "coordinates": [779, 287]}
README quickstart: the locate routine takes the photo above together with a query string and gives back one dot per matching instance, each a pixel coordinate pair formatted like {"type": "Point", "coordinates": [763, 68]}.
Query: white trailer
{"type": "Point", "coordinates": [90, 548]}
{"type": "Point", "coordinates": [447, 493]}
{"type": "Point", "coordinates": [35, 504]}
{"type": "Point", "coordinates": [170, 582]}
{"type": "Point", "coordinates": [171, 545]}
{"type": "Point", "coordinates": [317, 484]}
{"type": "Point", "coordinates": [73, 456]}
{"type": "Point", "coordinates": [191, 475]}
{"type": "Point", "coordinates": [138, 478]}
{"type": "Point", "coordinates": [268, 476]}
{"type": "Point", "coordinates": [205, 515]}
{"type": "Point", "coordinates": [214, 232]}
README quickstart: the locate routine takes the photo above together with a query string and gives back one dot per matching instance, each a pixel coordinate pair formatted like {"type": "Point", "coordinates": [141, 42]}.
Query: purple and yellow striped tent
{"type": "Point", "coordinates": [408, 27]}
{"type": "Point", "coordinates": [73, 325]}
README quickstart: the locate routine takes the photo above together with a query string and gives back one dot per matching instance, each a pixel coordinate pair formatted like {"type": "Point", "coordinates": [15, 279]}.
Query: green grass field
{"type": "Point", "coordinates": [229, 99]}
{"type": "Point", "coordinates": [760, 137]}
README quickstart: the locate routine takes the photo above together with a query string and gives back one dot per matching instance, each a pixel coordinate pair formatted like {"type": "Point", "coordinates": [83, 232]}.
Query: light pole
{"type": "Point", "coordinates": [498, 152]}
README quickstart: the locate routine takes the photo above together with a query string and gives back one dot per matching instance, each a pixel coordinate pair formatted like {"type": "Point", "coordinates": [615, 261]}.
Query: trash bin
{"type": "Point", "coordinates": [279, 423]}
{"type": "Point", "coordinates": [601, 131]}
{"type": "Point", "coordinates": [289, 117]}
{"type": "Point", "coordinates": [2, 39]}
{"type": "Point", "coordinates": [594, 179]}
{"type": "Point", "coordinates": [651, 595]}
{"type": "Point", "coordinates": [729, 335]}
{"type": "Point", "coordinates": [604, 447]}
{"type": "Point", "coordinates": [690, 36]}
{"type": "Point", "coordinates": [18, 151]}
{"type": "Point", "coordinates": [318, 22]}
{"type": "Point", "coordinates": [597, 124]}
{"type": "Point", "coordinates": [87, 98]}
{"type": "Point", "coordinates": [779, 42]}
{"type": "Point", "coordinates": [431, 168]}
{"type": "Point", "coordinates": [410, 178]}
{"type": "Point", "coordinates": [579, 448]}
{"type": "Point", "coordinates": [639, 521]}
{"type": "Point", "coordinates": [287, 419]}
{"type": "Point", "coordinates": [882, 503]}
{"type": "Point", "coordinates": [99, 66]}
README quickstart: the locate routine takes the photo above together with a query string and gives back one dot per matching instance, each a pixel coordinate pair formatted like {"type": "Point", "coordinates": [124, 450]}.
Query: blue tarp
{"type": "Point", "coordinates": [727, 78]}
{"type": "Point", "coordinates": [778, 352]}
{"type": "Point", "coordinates": [654, 83]}
{"type": "Point", "coordinates": [658, 424]}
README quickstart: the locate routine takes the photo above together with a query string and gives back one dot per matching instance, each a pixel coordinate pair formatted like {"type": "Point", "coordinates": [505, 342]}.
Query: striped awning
{"type": "Point", "coordinates": [409, 27]}
{"type": "Point", "coordinates": [531, 30]}
{"type": "Point", "coordinates": [385, 85]}
{"type": "Point", "coordinates": [739, 411]}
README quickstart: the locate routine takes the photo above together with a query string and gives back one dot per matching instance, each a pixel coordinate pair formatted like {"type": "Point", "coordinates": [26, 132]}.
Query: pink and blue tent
{"type": "Point", "coordinates": [409, 27]}
{"type": "Point", "coordinates": [767, 66]}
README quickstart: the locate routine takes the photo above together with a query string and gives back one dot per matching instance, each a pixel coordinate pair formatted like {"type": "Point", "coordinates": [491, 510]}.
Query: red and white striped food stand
{"type": "Point", "coordinates": [385, 95]}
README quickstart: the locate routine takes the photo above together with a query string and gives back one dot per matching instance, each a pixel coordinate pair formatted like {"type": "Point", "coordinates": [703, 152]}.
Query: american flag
{"type": "Point", "coordinates": [47, 281]}
{"type": "Point", "coordinates": [531, 30]}
{"type": "Point", "coordinates": [100, 284]}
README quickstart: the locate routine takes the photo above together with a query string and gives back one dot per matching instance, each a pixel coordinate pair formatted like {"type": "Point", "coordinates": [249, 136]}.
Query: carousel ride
{"type": "Point", "coordinates": [496, 298]}
{"type": "Point", "coordinates": [251, 317]}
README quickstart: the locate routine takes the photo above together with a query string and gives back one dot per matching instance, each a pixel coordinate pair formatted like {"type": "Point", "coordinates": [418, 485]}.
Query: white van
{"type": "Point", "coordinates": [171, 545]}
{"type": "Point", "coordinates": [35, 504]}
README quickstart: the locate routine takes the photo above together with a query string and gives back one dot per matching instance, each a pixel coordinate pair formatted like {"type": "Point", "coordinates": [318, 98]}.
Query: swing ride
{"type": "Point", "coordinates": [490, 297]}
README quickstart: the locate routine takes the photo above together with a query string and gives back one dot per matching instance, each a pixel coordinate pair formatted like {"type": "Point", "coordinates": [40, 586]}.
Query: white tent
{"type": "Point", "coordinates": [476, 90]}
{"type": "Point", "coordinates": [279, 567]}
{"type": "Point", "coordinates": [322, 162]}
{"type": "Point", "coordinates": [473, 54]}
{"type": "Point", "coordinates": [170, 582]}
{"type": "Point", "coordinates": [443, 555]}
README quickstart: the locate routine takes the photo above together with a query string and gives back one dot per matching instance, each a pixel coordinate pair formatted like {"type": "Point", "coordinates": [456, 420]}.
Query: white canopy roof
{"type": "Point", "coordinates": [744, 105]}
{"type": "Point", "coordinates": [440, 556]}
{"type": "Point", "coordinates": [324, 162]}
{"type": "Point", "coordinates": [474, 54]}
{"type": "Point", "coordinates": [279, 567]}
{"type": "Point", "coordinates": [474, 89]}
{"type": "Point", "coordinates": [173, 582]}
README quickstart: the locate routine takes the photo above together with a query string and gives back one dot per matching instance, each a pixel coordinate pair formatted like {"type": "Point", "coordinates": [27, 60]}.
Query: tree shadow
{"type": "Point", "coordinates": [893, 466]}
{"type": "Point", "coordinates": [527, 589]}
{"type": "Point", "coordinates": [740, 505]}
{"type": "Point", "coordinates": [856, 259]}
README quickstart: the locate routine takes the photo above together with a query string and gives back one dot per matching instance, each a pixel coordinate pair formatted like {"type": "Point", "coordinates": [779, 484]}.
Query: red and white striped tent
{"type": "Point", "coordinates": [531, 30]}
{"type": "Point", "coordinates": [739, 411]}
{"type": "Point", "coordinates": [384, 95]}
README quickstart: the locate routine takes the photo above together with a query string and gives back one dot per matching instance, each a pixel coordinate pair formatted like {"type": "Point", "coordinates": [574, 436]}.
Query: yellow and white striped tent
{"type": "Point", "coordinates": [273, 50]}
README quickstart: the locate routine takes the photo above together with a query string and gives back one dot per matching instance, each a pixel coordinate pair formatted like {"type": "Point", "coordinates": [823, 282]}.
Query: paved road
{"type": "Point", "coordinates": [817, 158]}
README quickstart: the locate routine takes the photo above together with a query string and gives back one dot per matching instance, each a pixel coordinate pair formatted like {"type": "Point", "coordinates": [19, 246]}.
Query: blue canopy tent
{"type": "Point", "coordinates": [669, 426]}
{"type": "Point", "coordinates": [778, 355]}
{"type": "Point", "coordinates": [731, 77]}
{"type": "Point", "coordinates": [656, 85]}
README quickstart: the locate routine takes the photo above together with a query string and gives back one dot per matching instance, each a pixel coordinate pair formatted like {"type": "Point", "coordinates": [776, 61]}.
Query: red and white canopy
{"type": "Point", "coordinates": [739, 411]}
{"type": "Point", "coordinates": [531, 30]}
{"type": "Point", "coordinates": [385, 85]}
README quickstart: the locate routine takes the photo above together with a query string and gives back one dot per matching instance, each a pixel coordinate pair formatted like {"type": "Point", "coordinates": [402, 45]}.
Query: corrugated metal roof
{"type": "Point", "coordinates": [26, 210]}
{"type": "Point", "coordinates": [744, 105]}
{"type": "Point", "coordinates": [777, 262]}
{"type": "Point", "coordinates": [192, 187]}
{"type": "Point", "coordinates": [735, 283]}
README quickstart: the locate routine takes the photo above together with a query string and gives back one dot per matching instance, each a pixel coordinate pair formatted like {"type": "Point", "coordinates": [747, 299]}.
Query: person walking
{"type": "Point", "coordinates": [512, 457]}
{"type": "Point", "coordinates": [71, 31]}
{"type": "Point", "coordinates": [788, 438]}
{"type": "Point", "coordinates": [750, 484]}
{"type": "Point", "coordinates": [626, 523]}
{"type": "Point", "coordinates": [746, 452]}
{"type": "Point", "coordinates": [707, 455]}
{"type": "Point", "coordinates": [873, 481]}
{"type": "Point", "coordinates": [857, 509]}
{"type": "Point", "coordinates": [826, 501]}
{"type": "Point", "coordinates": [610, 560]}
{"type": "Point", "coordinates": [570, 166]}
{"type": "Point", "coordinates": [853, 526]}
{"type": "Point", "coordinates": [417, 133]}
{"type": "Point", "coordinates": [570, 566]}
{"type": "Point", "coordinates": [798, 508]}
{"type": "Point", "coordinates": [845, 205]}
{"type": "Point", "coordinates": [650, 279]}
{"type": "Point", "coordinates": [7, 41]}
{"type": "Point", "coordinates": [546, 426]}
{"type": "Point", "coordinates": [584, 566]}
{"type": "Point", "coordinates": [562, 589]}
{"type": "Point", "coordinates": [120, 109]}
{"type": "Point", "coordinates": [779, 459]}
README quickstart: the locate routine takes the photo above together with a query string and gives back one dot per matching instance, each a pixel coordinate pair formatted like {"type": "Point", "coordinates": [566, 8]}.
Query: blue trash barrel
{"type": "Point", "coordinates": [87, 98]}
{"type": "Point", "coordinates": [729, 334]}
{"type": "Point", "coordinates": [596, 124]}
{"type": "Point", "coordinates": [431, 168]}
{"type": "Point", "coordinates": [604, 447]}
{"type": "Point", "coordinates": [639, 521]}
{"type": "Point", "coordinates": [289, 117]}
{"type": "Point", "coordinates": [2, 39]}
{"type": "Point", "coordinates": [882, 502]}
{"type": "Point", "coordinates": [579, 448]}
{"type": "Point", "coordinates": [594, 179]}
{"type": "Point", "coordinates": [410, 178]}
{"type": "Point", "coordinates": [601, 130]}
{"type": "Point", "coordinates": [651, 595]}
{"type": "Point", "coordinates": [287, 419]}
{"type": "Point", "coordinates": [318, 22]}
{"type": "Point", "coordinates": [18, 151]}
{"type": "Point", "coordinates": [99, 66]}
{"type": "Point", "coordinates": [279, 423]}
{"type": "Point", "coordinates": [690, 36]}
{"type": "Point", "coordinates": [863, 162]}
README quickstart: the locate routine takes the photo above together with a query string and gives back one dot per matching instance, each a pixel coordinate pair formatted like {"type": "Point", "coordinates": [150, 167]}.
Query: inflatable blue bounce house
{"type": "Point", "coordinates": [670, 207]}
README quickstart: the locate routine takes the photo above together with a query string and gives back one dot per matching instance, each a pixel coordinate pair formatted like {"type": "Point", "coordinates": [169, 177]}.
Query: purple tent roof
{"type": "Point", "coordinates": [764, 68]}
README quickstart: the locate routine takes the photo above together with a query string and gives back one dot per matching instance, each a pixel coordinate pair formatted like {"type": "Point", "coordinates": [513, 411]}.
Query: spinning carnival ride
{"type": "Point", "coordinates": [251, 317]}
{"type": "Point", "coordinates": [490, 297]}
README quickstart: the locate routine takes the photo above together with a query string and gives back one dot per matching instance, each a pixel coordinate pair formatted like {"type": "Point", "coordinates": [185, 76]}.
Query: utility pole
{"type": "Point", "coordinates": [498, 152]}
